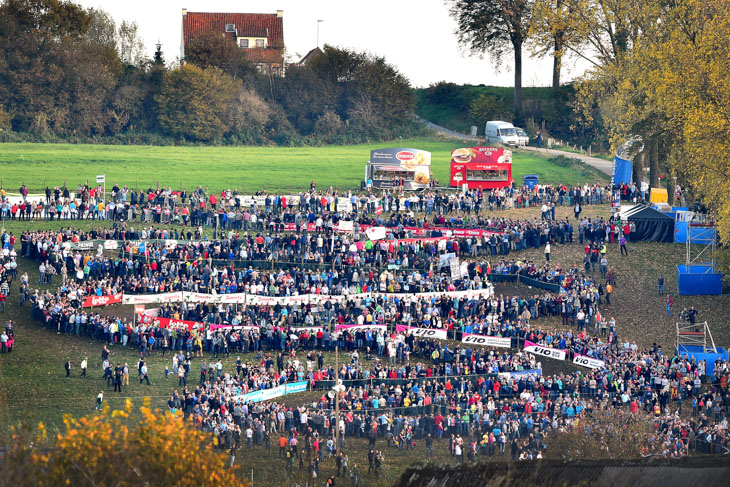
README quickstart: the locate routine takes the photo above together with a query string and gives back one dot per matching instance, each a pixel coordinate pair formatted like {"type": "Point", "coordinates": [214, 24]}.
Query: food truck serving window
{"type": "Point", "coordinates": [387, 175]}
{"type": "Point", "coordinates": [486, 175]}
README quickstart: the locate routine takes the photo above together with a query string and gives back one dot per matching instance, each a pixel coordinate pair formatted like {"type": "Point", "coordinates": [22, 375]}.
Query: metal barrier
{"type": "Point", "coordinates": [497, 277]}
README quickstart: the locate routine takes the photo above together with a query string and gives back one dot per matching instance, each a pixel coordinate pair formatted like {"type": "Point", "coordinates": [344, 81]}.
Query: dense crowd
{"type": "Point", "coordinates": [400, 388]}
{"type": "Point", "coordinates": [203, 207]}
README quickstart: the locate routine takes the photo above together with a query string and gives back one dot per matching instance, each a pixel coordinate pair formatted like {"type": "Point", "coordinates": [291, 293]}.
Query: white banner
{"type": "Point", "coordinates": [345, 226]}
{"type": "Point", "coordinates": [272, 300]}
{"type": "Point", "coordinates": [310, 329]}
{"type": "Point", "coordinates": [140, 299]}
{"type": "Point", "coordinates": [235, 327]}
{"type": "Point", "coordinates": [241, 298]}
{"type": "Point", "coordinates": [232, 298]}
{"type": "Point", "coordinates": [376, 233]}
{"type": "Point", "coordinates": [344, 205]}
{"type": "Point", "coordinates": [486, 341]}
{"type": "Point", "coordinates": [423, 332]}
{"type": "Point", "coordinates": [553, 353]}
{"type": "Point", "coordinates": [199, 297]}
{"type": "Point", "coordinates": [175, 297]}
{"type": "Point", "coordinates": [455, 269]}
{"type": "Point", "coordinates": [590, 362]}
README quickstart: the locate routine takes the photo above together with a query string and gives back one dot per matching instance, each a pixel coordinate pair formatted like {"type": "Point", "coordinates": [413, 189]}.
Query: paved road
{"type": "Point", "coordinates": [600, 164]}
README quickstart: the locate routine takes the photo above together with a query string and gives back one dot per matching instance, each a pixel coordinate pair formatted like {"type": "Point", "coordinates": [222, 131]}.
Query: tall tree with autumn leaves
{"type": "Point", "coordinates": [668, 82]}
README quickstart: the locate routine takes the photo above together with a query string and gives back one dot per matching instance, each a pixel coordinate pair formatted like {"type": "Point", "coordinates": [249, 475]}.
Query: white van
{"type": "Point", "coordinates": [501, 133]}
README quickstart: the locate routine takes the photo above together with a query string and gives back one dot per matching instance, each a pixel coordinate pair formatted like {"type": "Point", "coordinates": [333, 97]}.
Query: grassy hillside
{"type": "Point", "coordinates": [246, 168]}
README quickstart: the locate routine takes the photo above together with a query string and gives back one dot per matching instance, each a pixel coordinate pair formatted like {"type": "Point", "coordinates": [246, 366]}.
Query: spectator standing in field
{"type": "Point", "coordinates": [661, 284]}
{"type": "Point", "coordinates": [68, 368]}
{"type": "Point", "coordinates": [547, 252]}
{"type": "Point", "coordinates": [622, 245]}
{"type": "Point", "coordinates": [669, 302]}
{"type": "Point", "coordinates": [99, 400]}
{"type": "Point", "coordinates": [84, 365]}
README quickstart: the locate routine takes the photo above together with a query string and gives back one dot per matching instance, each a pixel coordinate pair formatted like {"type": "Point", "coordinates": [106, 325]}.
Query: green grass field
{"type": "Point", "coordinates": [248, 169]}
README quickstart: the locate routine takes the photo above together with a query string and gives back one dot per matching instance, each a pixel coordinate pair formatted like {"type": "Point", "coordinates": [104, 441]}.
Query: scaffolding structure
{"type": "Point", "coordinates": [701, 250]}
{"type": "Point", "coordinates": [695, 335]}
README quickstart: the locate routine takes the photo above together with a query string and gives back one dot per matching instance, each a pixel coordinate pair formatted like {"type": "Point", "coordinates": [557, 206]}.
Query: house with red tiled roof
{"type": "Point", "coordinates": [261, 36]}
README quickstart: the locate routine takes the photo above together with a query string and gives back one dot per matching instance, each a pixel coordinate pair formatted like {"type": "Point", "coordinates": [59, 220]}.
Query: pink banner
{"type": "Point", "coordinates": [170, 323]}
{"type": "Point", "coordinates": [382, 328]}
{"type": "Point", "coordinates": [419, 232]}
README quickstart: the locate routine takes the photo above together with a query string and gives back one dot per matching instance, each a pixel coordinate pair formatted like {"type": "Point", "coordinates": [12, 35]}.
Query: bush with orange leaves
{"type": "Point", "coordinates": [117, 448]}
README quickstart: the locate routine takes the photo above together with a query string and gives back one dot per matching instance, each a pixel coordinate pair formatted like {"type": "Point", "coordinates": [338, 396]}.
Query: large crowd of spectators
{"type": "Point", "coordinates": [400, 388]}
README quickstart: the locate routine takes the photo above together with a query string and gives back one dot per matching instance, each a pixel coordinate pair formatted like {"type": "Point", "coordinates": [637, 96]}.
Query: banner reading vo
{"type": "Point", "coordinates": [590, 362]}
{"type": "Point", "coordinates": [553, 353]}
{"type": "Point", "coordinates": [486, 341]}
{"type": "Point", "coordinates": [422, 332]}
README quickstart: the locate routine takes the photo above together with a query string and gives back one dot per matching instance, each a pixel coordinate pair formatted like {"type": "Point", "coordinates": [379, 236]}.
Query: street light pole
{"type": "Point", "coordinates": [319, 21]}
{"type": "Point", "coordinates": [337, 402]}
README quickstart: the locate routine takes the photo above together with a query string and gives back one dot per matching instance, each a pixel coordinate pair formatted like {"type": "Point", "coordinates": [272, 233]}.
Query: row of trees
{"type": "Point", "coordinates": [594, 30]}
{"type": "Point", "coordinates": [659, 69]}
{"type": "Point", "coordinates": [71, 72]}
{"type": "Point", "coordinates": [668, 83]}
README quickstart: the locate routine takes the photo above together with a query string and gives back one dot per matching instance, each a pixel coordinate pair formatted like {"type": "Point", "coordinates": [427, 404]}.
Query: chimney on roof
{"type": "Point", "coordinates": [185, 12]}
{"type": "Point", "coordinates": [279, 13]}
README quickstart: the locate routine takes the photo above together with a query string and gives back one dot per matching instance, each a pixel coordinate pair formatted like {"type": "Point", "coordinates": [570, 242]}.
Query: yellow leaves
{"type": "Point", "coordinates": [102, 449]}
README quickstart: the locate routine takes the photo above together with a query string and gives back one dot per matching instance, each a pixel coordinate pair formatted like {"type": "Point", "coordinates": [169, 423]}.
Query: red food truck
{"type": "Point", "coordinates": [481, 167]}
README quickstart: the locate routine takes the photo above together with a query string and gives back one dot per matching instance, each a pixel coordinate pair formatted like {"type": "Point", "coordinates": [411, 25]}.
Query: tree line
{"type": "Point", "coordinates": [659, 69]}
{"type": "Point", "coordinates": [72, 73]}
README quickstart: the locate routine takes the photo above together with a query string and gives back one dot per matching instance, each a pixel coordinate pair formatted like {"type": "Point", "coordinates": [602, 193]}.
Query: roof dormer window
{"type": "Point", "coordinates": [230, 27]}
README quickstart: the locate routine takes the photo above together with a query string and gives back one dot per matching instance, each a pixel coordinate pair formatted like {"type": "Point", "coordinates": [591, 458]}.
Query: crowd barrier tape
{"type": "Point", "coordinates": [273, 393]}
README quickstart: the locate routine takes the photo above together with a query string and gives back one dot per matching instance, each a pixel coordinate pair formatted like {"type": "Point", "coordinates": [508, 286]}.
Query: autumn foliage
{"type": "Point", "coordinates": [118, 448]}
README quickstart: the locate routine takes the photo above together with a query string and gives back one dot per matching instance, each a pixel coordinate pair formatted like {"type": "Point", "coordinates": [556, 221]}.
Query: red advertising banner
{"type": "Point", "coordinates": [93, 301]}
